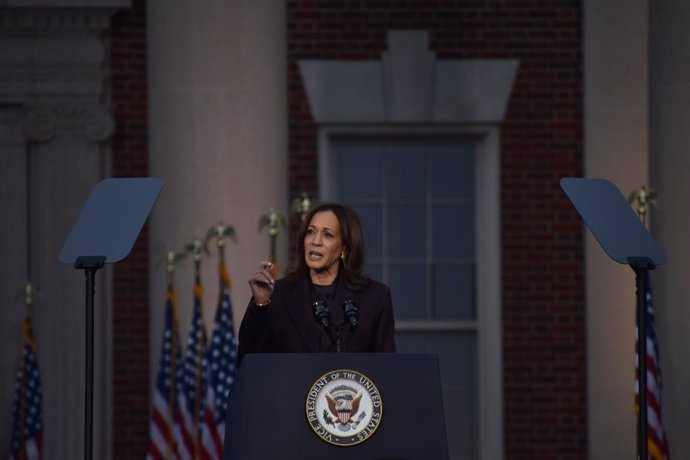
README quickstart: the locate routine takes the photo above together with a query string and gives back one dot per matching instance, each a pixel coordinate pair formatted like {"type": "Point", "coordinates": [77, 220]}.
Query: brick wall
{"type": "Point", "coordinates": [545, 411]}
{"type": "Point", "coordinates": [130, 277]}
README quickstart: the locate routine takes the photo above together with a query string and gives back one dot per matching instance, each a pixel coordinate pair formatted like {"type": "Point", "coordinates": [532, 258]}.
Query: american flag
{"type": "Point", "coordinates": [192, 386]}
{"type": "Point", "coordinates": [162, 427]}
{"type": "Point", "coordinates": [27, 425]}
{"type": "Point", "coordinates": [657, 444]}
{"type": "Point", "coordinates": [222, 355]}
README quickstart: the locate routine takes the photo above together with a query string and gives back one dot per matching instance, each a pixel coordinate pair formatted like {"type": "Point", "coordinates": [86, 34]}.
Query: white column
{"type": "Point", "coordinates": [54, 110]}
{"type": "Point", "coordinates": [615, 53]}
{"type": "Point", "coordinates": [669, 93]}
{"type": "Point", "coordinates": [217, 138]}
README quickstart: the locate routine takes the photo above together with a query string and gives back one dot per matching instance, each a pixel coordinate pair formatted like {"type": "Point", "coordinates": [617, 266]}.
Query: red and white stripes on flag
{"type": "Point", "coordinates": [162, 426]}
{"type": "Point", "coordinates": [192, 376]}
{"type": "Point", "coordinates": [189, 401]}
{"type": "Point", "coordinates": [196, 422]}
{"type": "Point", "coordinates": [210, 440]}
{"type": "Point", "coordinates": [657, 443]}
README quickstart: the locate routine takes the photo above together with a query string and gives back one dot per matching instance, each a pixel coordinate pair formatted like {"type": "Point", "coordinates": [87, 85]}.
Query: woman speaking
{"type": "Point", "coordinates": [324, 303]}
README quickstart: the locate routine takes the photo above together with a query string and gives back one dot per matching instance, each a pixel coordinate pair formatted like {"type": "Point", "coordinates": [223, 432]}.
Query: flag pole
{"type": "Point", "coordinates": [222, 348]}
{"type": "Point", "coordinates": [641, 266]}
{"type": "Point", "coordinates": [27, 408]}
{"type": "Point", "coordinates": [21, 410]}
{"type": "Point", "coordinates": [164, 445]}
{"type": "Point", "coordinates": [197, 248]}
{"type": "Point", "coordinates": [172, 258]}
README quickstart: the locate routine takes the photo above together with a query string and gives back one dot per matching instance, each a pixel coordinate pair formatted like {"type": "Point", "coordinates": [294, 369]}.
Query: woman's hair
{"type": "Point", "coordinates": [353, 242]}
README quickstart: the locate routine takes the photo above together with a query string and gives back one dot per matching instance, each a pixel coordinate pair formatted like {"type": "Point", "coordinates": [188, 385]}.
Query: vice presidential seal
{"type": "Point", "coordinates": [344, 407]}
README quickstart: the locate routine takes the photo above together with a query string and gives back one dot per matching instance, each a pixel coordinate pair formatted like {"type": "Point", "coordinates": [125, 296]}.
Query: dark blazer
{"type": "Point", "coordinates": [287, 324]}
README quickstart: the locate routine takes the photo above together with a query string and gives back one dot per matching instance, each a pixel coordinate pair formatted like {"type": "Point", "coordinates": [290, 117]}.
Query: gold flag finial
{"type": "Point", "coordinates": [273, 220]}
{"type": "Point", "coordinates": [197, 248]}
{"type": "Point", "coordinates": [642, 199]}
{"type": "Point", "coordinates": [29, 291]}
{"type": "Point", "coordinates": [220, 232]}
{"type": "Point", "coordinates": [302, 205]}
{"type": "Point", "coordinates": [172, 258]}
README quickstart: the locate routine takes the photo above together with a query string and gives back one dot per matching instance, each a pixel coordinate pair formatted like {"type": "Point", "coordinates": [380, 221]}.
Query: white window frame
{"type": "Point", "coordinates": [488, 246]}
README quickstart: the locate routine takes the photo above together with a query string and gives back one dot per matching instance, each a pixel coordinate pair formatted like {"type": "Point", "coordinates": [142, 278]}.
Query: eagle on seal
{"type": "Point", "coordinates": [343, 408]}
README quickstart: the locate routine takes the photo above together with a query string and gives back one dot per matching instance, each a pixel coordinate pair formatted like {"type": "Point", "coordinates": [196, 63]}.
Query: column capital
{"type": "Point", "coordinates": [42, 123]}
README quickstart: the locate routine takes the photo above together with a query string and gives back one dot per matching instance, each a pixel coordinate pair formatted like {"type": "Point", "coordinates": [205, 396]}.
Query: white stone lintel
{"type": "Point", "coordinates": [408, 85]}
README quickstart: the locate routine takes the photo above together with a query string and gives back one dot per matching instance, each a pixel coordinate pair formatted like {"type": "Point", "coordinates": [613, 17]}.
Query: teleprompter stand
{"type": "Point", "coordinates": [625, 240]}
{"type": "Point", "coordinates": [105, 232]}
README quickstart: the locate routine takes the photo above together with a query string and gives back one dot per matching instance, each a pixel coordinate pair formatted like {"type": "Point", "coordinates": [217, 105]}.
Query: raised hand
{"type": "Point", "coordinates": [262, 284]}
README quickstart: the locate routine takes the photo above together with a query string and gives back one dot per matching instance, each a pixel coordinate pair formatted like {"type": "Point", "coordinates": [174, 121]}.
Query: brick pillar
{"type": "Point", "coordinates": [130, 277]}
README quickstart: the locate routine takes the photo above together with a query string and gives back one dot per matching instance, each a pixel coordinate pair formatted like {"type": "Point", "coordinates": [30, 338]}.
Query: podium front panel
{"type": "Point", "coordinates": [267, 407]}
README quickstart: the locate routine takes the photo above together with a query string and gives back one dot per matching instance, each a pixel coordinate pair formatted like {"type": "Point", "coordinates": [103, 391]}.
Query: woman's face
{"type": "Point", "coordinates": [323, 243]}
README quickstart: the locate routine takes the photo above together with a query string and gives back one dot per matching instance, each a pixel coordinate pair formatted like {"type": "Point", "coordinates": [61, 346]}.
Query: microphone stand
{"type": "Point", "coordinates": [337, 339]}
{"type": "Point", "coordinates": [323, 316]}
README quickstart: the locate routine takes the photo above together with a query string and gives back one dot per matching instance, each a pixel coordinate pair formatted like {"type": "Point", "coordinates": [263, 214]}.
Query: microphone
{"type": "Point", "coordinates": [321, 313]}
{"type": "Point", "coordinates": [351, 312]}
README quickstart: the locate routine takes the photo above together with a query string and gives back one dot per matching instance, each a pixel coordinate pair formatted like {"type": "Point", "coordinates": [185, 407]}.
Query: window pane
{"type": "Point", "coordinates": [452, 171]}
{"type": "Point", "coordinates": [453, 230]}
{"type": "Point", "coordinates": [405, 173]}
{"type": "Point", "coordinates": [406, 231]}
{"type": "Point", "coordinates": [458, 363]}
{"type": "Point", "coordinates": [372, 223]}
{"type": "Point", "coordinates": [460, 413]}
{"type": "Point", "coordinates": [374, 271]}
{"type": "Point", "coordinates": [410, 342]}
{"type": "Point", "coordinates": [456, 354]}
{"type": "Point", "coordinates": [454, 291]}
{"type": "Point", "coordinates": [408, 288]}
{"type": "Point", "coordinates": [359, 172]}
{"type": "Point", "coordinates": [417, 204]}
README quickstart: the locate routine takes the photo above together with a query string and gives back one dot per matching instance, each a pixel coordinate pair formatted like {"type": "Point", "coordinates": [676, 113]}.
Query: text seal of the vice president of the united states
{"type": "Point", "coordinates": [344, 407]}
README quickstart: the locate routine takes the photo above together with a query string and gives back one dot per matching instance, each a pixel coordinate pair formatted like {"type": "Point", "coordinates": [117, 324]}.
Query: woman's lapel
{"type": "Point", "coordinates": [298, 306]}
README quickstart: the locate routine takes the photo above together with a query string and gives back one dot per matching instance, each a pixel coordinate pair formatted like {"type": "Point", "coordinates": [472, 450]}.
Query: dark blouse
{"type": "Point", "coordinates": [288, 323]}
